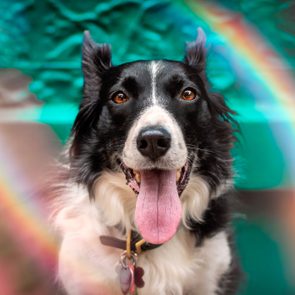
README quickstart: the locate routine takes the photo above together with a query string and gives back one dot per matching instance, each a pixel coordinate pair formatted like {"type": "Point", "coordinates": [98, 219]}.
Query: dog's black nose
{"type": "Point", "coordinates": [153, 142]}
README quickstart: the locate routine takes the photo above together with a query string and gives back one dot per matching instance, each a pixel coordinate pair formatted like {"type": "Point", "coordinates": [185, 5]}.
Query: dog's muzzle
{"type": "Point", "coordinates": [155, 162]}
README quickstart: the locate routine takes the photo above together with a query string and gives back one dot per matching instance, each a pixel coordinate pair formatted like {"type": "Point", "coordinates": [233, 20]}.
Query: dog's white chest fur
{"type": "Point", "coordinates": [88, 267]}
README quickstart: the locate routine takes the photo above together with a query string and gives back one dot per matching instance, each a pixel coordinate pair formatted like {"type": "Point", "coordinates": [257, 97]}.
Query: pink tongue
{"type": "Point", "coordinates": [158, 208]}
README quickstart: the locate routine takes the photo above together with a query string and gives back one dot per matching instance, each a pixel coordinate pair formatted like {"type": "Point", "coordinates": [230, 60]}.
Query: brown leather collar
{"type": "Point", "coordinates": [137, 244]}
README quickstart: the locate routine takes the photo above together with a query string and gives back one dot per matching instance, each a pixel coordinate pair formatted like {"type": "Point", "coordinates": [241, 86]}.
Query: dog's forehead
{"type": "Point", "coordinates": [148, 72]}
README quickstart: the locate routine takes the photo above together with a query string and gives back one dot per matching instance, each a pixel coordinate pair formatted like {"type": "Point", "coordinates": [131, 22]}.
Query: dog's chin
{"type": "Point", "coordinates": [158, 207]}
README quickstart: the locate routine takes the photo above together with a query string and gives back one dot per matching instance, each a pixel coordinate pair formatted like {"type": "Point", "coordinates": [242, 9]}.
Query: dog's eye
{"type": "Point", "coordinates": [188, 94]}
{"type": "Point", "coordinates": [119, 98]}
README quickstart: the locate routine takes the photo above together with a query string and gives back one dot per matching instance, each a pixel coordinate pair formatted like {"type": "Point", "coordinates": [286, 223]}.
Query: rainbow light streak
{"type": "Point", "coordinates": [252, 48]}
{"type": "Point", "coordinates": [29, 231]}
{"type": "Point", "coordinates": [266, 65]}
{"type": "Point", "coordinates": [24, 217]}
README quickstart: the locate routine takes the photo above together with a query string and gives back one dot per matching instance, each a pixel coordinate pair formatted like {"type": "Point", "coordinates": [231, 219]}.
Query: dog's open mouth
{"type": "Point", "coordinates": [133, 177]}
{"type": "Point", "coordinates": [158, 207]}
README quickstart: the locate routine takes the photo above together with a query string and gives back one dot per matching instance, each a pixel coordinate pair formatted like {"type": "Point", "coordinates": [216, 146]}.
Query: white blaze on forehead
{"type": "Point", "coordinates": [154, 69]}
{"type": "Point", "coordinates": [155, 115]}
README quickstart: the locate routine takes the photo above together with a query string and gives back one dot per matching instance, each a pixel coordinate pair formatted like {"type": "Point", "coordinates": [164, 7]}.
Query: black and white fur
{"type": "Point", "coordinates": [93, 198]}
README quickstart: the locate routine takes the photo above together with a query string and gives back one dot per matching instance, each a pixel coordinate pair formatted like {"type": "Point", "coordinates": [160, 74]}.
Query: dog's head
{"type": "Point", "coordinates": [158, 123]}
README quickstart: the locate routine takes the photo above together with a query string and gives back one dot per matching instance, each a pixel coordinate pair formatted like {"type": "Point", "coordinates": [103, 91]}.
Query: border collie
{"type": "Point", "coordinates": [143, 204]}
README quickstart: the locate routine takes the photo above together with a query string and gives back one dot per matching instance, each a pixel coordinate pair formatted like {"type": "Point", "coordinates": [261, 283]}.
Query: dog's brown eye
{"type": "Point", "coordinates": [120, 98]}
{"type": "Point", "coordinates": [188, 94]}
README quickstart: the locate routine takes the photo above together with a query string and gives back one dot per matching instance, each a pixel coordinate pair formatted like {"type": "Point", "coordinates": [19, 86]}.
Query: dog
{"type": "Point", "coordinates": [143, 194]}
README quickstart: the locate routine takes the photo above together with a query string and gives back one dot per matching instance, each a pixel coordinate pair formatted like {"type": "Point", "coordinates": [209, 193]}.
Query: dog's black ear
{"type": "Point", "coordinates": [96, 59]}
{"type": "Point", "coordinates": [195, 51]}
